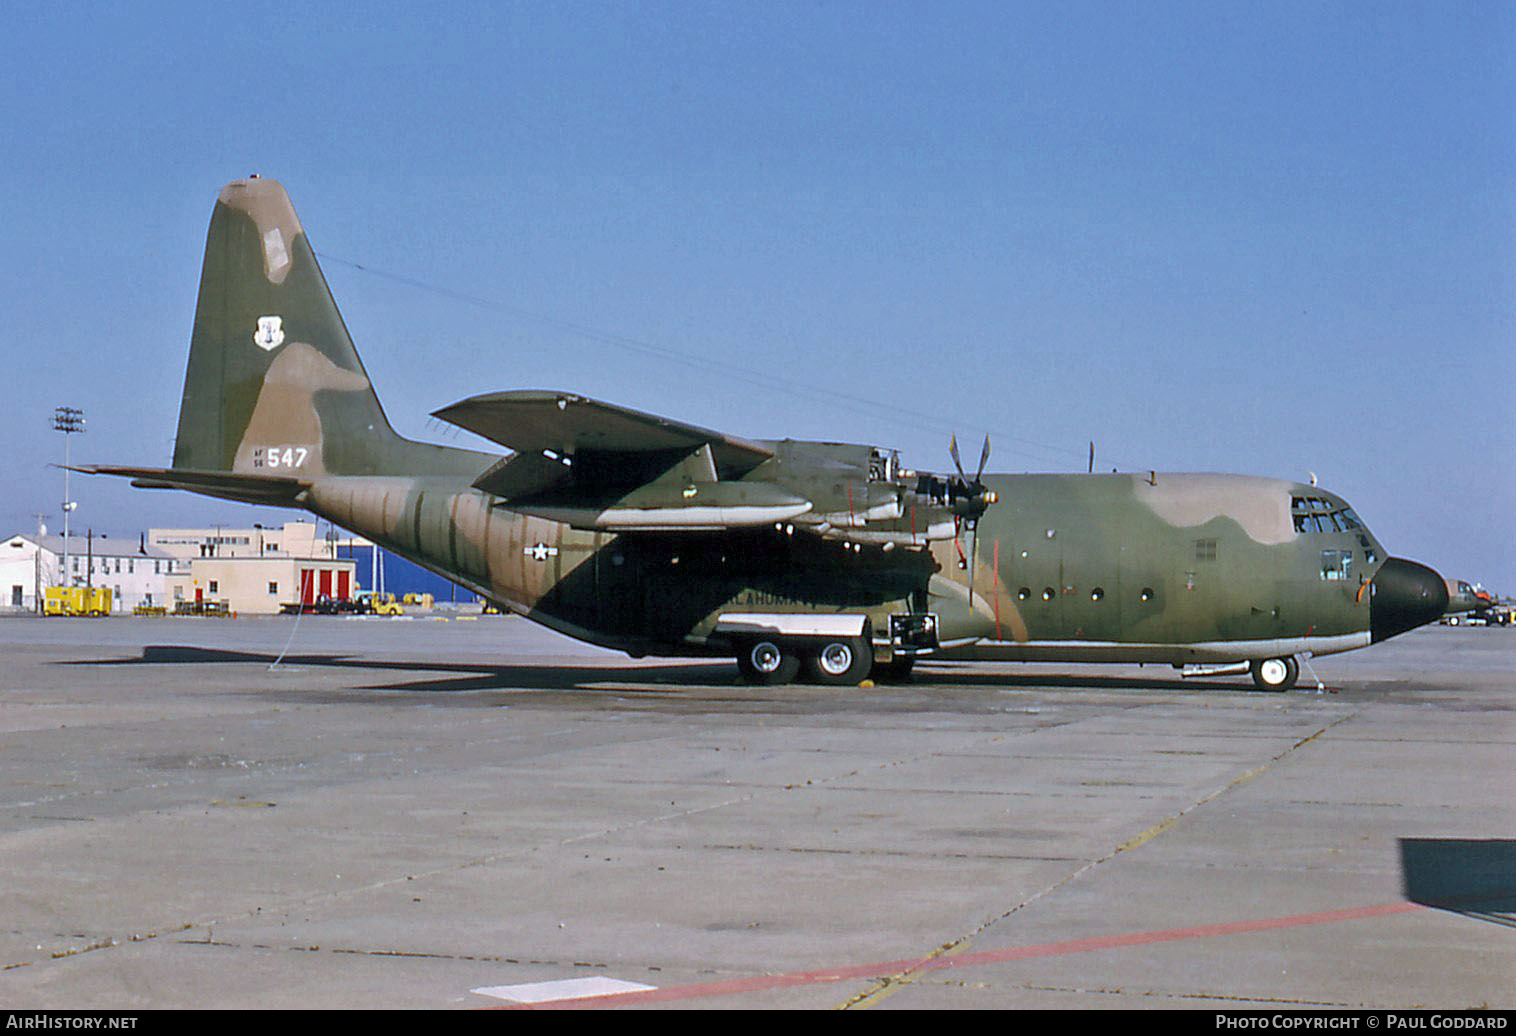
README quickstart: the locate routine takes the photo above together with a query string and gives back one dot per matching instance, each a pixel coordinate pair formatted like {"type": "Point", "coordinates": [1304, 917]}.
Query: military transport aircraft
{"type": "Point", "coordinates": [1462, 598]}
{"type": "Point", "coordinates": [1472, 603]}
{"type": "Point", "coordinates": [652, 536]}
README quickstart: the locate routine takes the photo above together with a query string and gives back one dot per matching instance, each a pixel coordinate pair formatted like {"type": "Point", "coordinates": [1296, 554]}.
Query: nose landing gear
{"type": "Point", "coordinates": [1275, 674]}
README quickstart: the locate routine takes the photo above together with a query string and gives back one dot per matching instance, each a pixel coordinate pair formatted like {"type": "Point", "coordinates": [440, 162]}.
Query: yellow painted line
{"type": "Point", "coordinates": [1162, 826]}
{"type": "Point", "coordinates": [888, 987]}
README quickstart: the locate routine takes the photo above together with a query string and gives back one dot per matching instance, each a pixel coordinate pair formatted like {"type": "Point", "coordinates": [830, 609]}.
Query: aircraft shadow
{"type": "Point", "coordinates": [1084, 681]}
{"type": "Point", "coordinates": [484, 676]}
{"type": "Point", "coordinates": [1472, 877]}
{"type": "Point", "coordinates": [470, 676]}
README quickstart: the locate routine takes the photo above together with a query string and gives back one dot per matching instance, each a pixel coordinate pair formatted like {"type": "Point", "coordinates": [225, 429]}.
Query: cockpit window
{"type": "Point", "coordinates": [1313, 514]}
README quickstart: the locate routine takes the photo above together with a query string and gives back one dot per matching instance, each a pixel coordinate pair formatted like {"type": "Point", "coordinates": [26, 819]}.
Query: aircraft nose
{"type": "Point", "coordinates": [1405, 595]}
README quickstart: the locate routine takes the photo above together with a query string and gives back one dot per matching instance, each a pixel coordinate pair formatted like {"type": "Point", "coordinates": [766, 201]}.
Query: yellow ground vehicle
{"type": "Point", "coordinates": [76, 600]}
{"type": "Point", "coordinates": [380, 604]}
{"type": "Point", "coordinates": [419, 600]}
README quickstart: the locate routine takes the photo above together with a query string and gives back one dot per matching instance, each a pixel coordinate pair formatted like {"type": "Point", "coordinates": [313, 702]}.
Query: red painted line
{"type": "Point", "coordinates": [997, 591]}
{"type": "Point", "coordinates": [1110, 942]}
{"type": "Point", "coordinates": [759, 983]}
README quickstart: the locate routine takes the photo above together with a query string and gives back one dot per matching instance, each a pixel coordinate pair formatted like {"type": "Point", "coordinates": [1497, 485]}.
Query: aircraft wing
{"type": "Point", "coordinates": [535, 421]}
{"type": "Point", "coordinates": [596, 465]}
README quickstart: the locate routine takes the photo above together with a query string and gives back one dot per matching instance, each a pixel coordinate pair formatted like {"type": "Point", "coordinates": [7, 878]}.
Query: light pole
{"type": "Point", "coordinates": [68, 420]}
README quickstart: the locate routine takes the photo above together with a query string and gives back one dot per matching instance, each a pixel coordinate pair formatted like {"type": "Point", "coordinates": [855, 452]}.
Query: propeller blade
{"type": "Point", "coordinates": [984, 458]}
{"type": "Point", "coordinates": [953, 452]}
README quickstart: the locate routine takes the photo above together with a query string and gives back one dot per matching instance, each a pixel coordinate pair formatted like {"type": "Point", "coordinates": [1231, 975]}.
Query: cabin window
{"type": "Point", "coordinates": [1023, 593]}
{"type": "Point", "coordinates": [1097, 594]}
{"type": "Point", "coordinates": [1205, 550]}
{"type": "Point", "coordinates": [1047, 593]}
{"type": "Point", "coordinates": [1146, 595]}
{"type": "Point", "coordinates": [1336, 565]}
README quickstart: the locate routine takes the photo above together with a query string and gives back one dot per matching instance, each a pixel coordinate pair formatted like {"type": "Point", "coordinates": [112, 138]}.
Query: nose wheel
{"type": "Point", "coordinates": [1275, 674]}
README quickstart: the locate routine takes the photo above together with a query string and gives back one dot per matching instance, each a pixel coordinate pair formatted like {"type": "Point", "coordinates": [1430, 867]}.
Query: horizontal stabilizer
{"type": "Point", "coordinates": [272, 490]}
{"type": "Point", "coordinates": [565, 425]}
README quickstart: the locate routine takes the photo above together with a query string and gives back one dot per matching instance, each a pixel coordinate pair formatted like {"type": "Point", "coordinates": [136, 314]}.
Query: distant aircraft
{"type": "Point", "coordinates": [1470, 602]}
{"type": "Point", "coordinates": [1463, 598]}
{"type": "Point", "coordinates": [656, 537]}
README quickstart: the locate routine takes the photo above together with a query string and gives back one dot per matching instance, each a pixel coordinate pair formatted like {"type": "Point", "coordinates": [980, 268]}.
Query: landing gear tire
{"type": "Point", "coordinates": [840, 663]}
{"type": "Point", "coordinates": [767, 662]}
{"type": "Point", "coordinates": [1275, 674]}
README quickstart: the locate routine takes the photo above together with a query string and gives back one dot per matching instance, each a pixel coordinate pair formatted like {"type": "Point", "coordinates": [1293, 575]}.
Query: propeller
{"type": "Point", "coordinates": [976, 498]}
{"type": "Point", "coordinates": [968, 497]}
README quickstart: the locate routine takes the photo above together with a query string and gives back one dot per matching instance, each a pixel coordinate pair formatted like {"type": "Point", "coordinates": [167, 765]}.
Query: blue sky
{"type": "Point", "coordinates": [1272, 239]}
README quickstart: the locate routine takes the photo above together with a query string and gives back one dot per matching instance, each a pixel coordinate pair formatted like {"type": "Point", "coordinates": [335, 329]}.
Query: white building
{"type": "Point", "coordinates": [135, 572]}
{"type": "Point", "coordinates": [261, 586]}
{"type": "Point", "coordinates": [255, 571]}
{"type": "Point", "coordinates": [250, 571]}
{"type": "Point", "coordinates": [290, 540]}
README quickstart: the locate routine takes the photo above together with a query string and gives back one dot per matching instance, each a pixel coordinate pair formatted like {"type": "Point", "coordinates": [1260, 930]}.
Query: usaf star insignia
{"type": "Point", "coordinates": [540, 552]}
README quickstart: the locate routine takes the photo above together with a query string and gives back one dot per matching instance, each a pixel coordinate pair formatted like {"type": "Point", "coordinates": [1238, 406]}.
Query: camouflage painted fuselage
{"type": "Point", "coordinates": [1165, 567]}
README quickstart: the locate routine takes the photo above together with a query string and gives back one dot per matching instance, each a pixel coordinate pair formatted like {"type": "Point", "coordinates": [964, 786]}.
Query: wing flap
{"type": "Point", "coordinates": [523, 474]}
{"type": "Point", "coordinates": [669, 506]}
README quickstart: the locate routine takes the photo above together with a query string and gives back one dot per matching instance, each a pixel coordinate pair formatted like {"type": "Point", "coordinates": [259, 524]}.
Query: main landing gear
{"type": "Point", "coordinates": [767, 662]}
{"type": "Point", "coordinates": [837, 662]}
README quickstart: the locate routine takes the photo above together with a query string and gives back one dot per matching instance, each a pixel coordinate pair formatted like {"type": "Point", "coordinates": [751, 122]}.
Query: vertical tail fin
{"type": "Point", "coordinates": [274, 384]}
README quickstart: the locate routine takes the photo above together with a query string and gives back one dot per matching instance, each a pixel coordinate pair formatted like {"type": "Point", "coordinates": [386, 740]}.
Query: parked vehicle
{"type": "Point", "coordinates": [77, 601]}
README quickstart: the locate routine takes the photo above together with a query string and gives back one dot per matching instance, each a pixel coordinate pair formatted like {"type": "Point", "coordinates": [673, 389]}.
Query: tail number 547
{"type": "Point", "coordinates": [280, 456]}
